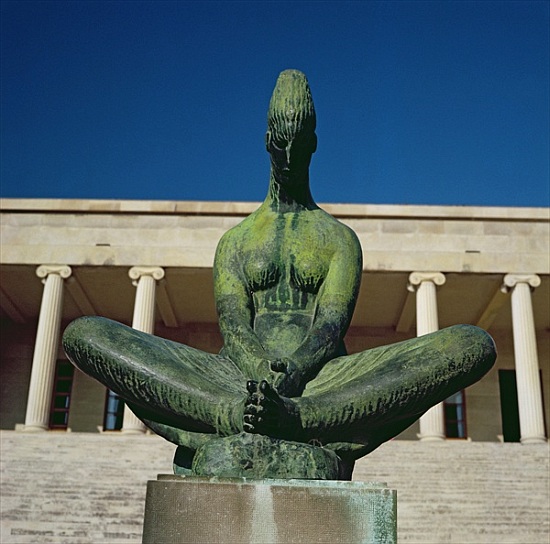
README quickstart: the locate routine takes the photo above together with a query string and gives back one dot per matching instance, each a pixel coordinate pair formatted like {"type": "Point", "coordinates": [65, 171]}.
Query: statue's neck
{"type": "Point", "coordinates": [283, 198]}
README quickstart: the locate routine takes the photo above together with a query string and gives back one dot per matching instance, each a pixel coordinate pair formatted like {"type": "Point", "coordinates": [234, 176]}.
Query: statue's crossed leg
{"type": "Point", "coordinates": [354, 404]}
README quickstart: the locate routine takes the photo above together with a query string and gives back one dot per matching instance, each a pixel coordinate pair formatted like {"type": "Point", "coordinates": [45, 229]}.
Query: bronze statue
{"type": "Point", "coordinates": [283, 398]}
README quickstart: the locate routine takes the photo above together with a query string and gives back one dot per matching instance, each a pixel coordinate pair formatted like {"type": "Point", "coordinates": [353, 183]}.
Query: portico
{"type": "Point", "coordinates": [424, 268]}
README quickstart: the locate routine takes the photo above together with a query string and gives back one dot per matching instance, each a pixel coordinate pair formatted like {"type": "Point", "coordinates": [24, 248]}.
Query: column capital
{"type": "Point", "coordinates": [511, 280]}
{"type": "Point", "coordinates": [44, 270]}
{"type": "Point", "coordinates": [416, 278]}
{"type": "Point", "coordinates": [136, 272]}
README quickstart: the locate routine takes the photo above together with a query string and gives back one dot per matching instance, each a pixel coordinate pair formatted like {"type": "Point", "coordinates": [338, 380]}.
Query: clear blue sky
{"type": "Point", "coordinates": [417, 102]}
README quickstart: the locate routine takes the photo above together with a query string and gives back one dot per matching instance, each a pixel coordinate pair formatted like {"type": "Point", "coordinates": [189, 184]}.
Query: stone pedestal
{"type": "Point", "coordinates": [190, 509]}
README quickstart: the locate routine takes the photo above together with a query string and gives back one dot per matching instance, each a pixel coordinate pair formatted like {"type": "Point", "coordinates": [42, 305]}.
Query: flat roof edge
{"type": "Point", "coordinates": [190, 207]}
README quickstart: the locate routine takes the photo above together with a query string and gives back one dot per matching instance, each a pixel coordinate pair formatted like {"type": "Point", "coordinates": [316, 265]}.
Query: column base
{"type": "Point", "coordinates": [431, 437]}
{"type": "Point", "coordinates": [202, 510]}
{"type": "Point", "coordinates": [37, 428]}
{"type": "Point", "coordinates": [132, 431]}
{"type": "Point", "coordinates": [534, 440]}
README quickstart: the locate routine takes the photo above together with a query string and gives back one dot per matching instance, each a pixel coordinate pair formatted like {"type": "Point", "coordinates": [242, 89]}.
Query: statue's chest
{"type": "Point", "coordinates": [286, 253]}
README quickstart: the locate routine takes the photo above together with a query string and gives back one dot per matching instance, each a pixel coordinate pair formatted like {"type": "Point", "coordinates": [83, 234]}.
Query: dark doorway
{"type": "Point", "coordinates": [509, 405]}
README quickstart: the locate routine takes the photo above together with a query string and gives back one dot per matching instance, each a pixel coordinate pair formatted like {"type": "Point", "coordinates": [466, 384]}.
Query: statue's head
{"type": "Point", "coordinates": [291, 138]}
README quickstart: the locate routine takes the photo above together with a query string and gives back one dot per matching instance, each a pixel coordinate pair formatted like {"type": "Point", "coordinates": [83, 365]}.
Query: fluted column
{"type": "Point", "coordinates": [145, 279]}
{"type": "Point", "coordinates": [432, 423]}
{"type": "Point", "coordinates": [46, 346]}
{"type": "Point", "coordinates": [531, 417]}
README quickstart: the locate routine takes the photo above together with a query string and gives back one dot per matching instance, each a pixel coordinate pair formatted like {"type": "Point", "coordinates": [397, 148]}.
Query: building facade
{"type": "Point", "coordinates": [149, 264]}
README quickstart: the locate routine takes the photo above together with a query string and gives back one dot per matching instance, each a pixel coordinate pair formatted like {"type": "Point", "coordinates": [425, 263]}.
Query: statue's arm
{"type": "Point", "coordinates": [334, 309]}
{"type": "Point", "coordinates": [236, 312]}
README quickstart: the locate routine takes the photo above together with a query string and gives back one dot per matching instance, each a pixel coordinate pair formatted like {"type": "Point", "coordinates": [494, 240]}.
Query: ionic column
{"type": "Point", "coordinates": [531, 417]}
{"type": "Point", "coordinates": [432, 423]}
{"type": "Point", "coordinates": [46, 346]}
{"type": "Point", "coordinates": [144, 278]}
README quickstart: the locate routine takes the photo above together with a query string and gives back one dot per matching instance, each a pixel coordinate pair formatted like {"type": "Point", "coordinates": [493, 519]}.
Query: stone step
{"type": "Point", "coordinates": [89, 488]}
{"type": "Point", "coordinates": [465, 492]}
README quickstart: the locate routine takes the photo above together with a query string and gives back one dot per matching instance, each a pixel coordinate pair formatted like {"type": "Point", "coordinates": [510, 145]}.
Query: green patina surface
{"type": "Point", "coordinates": [257, 456]}
{"type": "Point", "coordinates": [282, 399]}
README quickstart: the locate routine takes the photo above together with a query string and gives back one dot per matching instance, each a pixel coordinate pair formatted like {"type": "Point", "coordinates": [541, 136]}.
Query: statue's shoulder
{"type": "Point", "coordinates": [340, 231]}
{"type": "Point", "coordinates": [234, 238]}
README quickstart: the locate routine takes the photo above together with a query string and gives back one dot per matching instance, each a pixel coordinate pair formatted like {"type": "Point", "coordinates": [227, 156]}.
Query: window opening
{"type": "Point", "coordinates": [455, 415]}
{"type": "Point", "coordinates": [114, 412]}
{"type": "Point", "coordinates": [61, 401]}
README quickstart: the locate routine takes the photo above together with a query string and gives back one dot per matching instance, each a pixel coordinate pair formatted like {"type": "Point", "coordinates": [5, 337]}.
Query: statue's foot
{"type": "Point", "coordinates": [268, 413]}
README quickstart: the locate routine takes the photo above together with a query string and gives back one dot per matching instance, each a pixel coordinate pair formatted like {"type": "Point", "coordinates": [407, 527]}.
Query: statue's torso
{"type": "Point", "coordinates": [284, 260]}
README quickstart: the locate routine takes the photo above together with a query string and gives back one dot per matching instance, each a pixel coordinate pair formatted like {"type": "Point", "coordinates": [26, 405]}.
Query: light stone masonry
{"type": "Point", "coordinates": [94, 488]}
{"type": "Point", "coordinates": [145, 280]}
{"type": "Point", "coordinates": [531, 415]}
{"type": "Point", "coordinates": [175, 234]}
{"type": "Point", "coordinates": [432, 426]}
{"type": "Point", "coordinates": [46, 346]}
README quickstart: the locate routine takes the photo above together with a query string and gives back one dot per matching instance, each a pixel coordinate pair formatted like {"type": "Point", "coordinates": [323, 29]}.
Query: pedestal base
{"type": "Point", "coordinates": [190, 509]}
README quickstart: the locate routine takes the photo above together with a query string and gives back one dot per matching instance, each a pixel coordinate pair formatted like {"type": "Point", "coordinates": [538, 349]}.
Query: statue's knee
{"type": "Point", "coordinates": [476, 344]}
{"type": "Point", "coordinates": [83, 332]}
{"type": "Point", "coordinates": [476, 335]}
{"type": "Point", "coordinates": [82, 327]}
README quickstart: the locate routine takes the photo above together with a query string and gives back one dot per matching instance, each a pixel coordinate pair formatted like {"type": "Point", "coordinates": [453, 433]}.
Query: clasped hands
{"type": "Point", "coordinates": [285, 377]}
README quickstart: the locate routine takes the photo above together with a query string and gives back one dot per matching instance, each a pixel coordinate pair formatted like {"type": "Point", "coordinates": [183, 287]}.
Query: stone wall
{"type": "Point", "coordinates": [16, 350]}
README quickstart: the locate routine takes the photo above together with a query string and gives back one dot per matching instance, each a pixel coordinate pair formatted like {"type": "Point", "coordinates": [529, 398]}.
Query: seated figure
{"type": "Point", "coordinates": [283, 387]}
